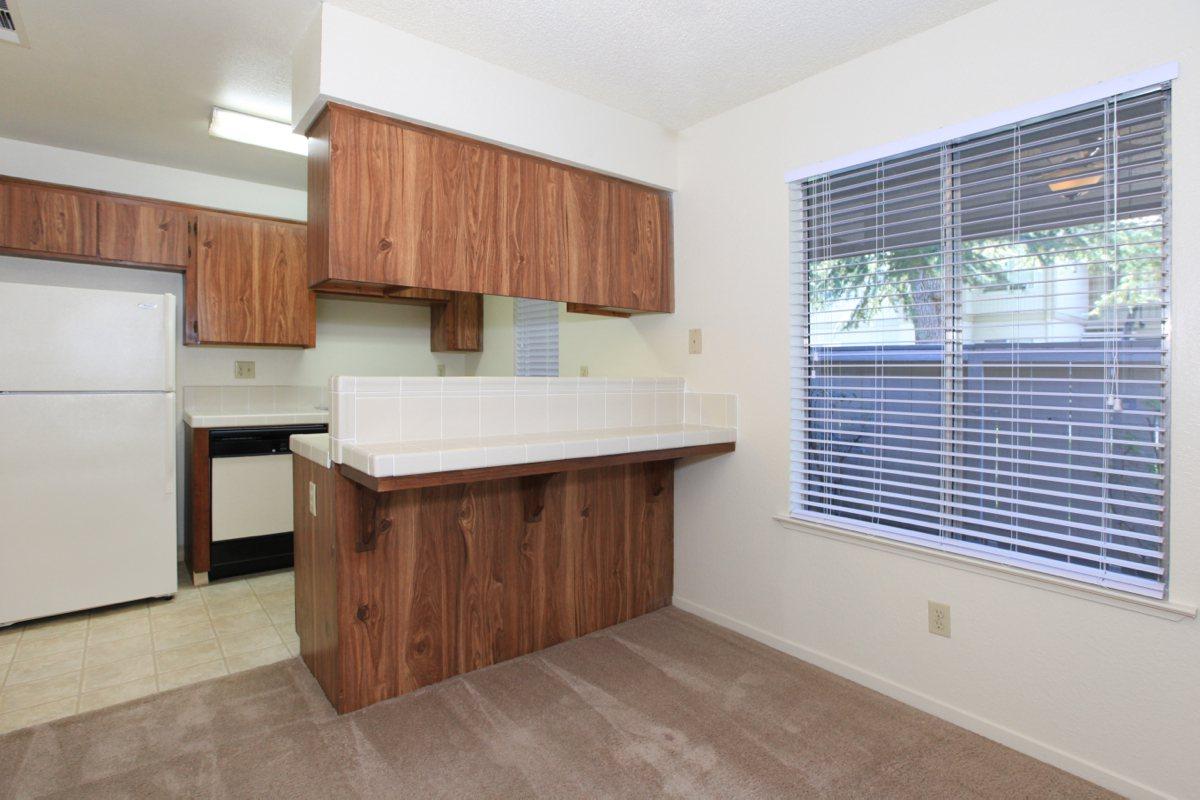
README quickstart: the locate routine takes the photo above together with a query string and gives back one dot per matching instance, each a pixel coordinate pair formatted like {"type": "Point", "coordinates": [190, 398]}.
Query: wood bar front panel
{"type": "Point", "coordinates": [437, 581]}
{"type": "Point", "coordinates": [197, 515]}
{"type": "Point", "coordinates": [316, 572]}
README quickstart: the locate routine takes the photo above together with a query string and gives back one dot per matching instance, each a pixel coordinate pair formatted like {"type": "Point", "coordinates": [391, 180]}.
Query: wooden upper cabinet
{"type": "Point", "coordinates": [396, 204]}
{"type": "Point", "coordinates": [250, 283]}
{"type": "Point", "coordinates": [592, 235]}
{"type": "Point", "coordinates": [47, 220]}
{"type": "Point", "coordinates": [245, 284]}
{"type": "Point", "coordinates": [143, 233]}
{"type": "Point", "coordinates": [644, 238]}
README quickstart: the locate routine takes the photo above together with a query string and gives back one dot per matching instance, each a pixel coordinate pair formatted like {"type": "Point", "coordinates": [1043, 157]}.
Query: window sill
{"type": "Point", "coordinates": [1143, 605]}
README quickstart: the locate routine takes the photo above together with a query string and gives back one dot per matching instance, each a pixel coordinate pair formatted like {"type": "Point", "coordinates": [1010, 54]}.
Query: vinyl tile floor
{"type": "Point", "coordinates": [79, 662]}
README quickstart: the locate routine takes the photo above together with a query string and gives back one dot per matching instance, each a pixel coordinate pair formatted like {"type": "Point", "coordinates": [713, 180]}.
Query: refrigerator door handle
{"type": "Point", "coordinates": [169, 443]}
{"type": "Point", "coordinates": [169, 343]}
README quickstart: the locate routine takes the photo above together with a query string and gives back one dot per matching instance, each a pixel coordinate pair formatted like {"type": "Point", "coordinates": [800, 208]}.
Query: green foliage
{"type": "Point", "coordinates": [1123, 263]}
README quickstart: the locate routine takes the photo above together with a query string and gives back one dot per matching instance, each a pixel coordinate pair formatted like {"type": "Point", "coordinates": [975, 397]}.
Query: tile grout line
{"type": "Point", "coordinates": [89, 626]}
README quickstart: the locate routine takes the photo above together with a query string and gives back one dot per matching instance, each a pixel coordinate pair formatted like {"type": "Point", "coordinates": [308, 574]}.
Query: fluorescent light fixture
{"type": "Point", "coordinates": [240, 127]}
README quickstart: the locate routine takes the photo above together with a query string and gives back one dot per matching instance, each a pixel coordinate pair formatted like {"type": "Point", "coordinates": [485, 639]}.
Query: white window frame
{"type": "Point", "coordinates": [1051, 106]}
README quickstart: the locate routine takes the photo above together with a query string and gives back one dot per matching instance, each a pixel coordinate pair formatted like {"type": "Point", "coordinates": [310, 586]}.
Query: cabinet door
{"type": "Point", "coordinates": [47, 220]}
{"type": "Point", "coordinates": [618, 244]}
{"type": "Point", "coordinates": [534, 228]}
{"type": "Point", "coordinates": [251, 282]}
{"type": "Point", "coordinates": [590, 210]}
{"type": "Point", "coordinates": [394, 204]}
{"type": "Point", "coordinates": [644, 249]}
{"type": "Point", "coordinates": [143, 233]}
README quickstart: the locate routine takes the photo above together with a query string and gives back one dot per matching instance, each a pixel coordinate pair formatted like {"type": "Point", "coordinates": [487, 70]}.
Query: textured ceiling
{"type": "Point", "coordinates": [137, 78]}
{"type": "Point", "coordinates": [672, 61]}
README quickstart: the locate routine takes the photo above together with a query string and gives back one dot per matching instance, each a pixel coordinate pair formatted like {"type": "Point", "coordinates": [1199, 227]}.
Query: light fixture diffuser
{"type": "Point", "coordinates": [245, 128]}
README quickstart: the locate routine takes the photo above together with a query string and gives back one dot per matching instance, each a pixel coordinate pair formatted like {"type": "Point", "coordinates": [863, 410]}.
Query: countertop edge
{"type": "Point", "coordinates": [251, 419]}
{"type": "Point", "coordinates": [443, 478]}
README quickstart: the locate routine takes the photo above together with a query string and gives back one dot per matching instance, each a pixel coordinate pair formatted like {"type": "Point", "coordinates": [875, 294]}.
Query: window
{"type": "Point", "coordinates": [535, 346]}
{"type": "Point", "coordinates": [979, 344]}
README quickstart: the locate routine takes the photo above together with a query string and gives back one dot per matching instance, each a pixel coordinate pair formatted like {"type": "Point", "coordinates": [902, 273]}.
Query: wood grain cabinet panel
{"type": "Point", "coordinates": [251, 282]}
{"type": "Point", "coordinates": [364, 212]}
{"type": "Point", "coordinates": [457, 326]}
{"type": "Point", "coordinates": [591, 239]}
{"type": "Point", "coordinates": [461, 576]}
{"type": "Point", "coordinates": [391, 203]}
{"type": "Point", "coordinates": [247, 284]}
{"type": "Point", "coordinates": [143, 233]}
{"type": "Point", "coordinates": [643, 231]}
{"type": "Point", "coordinates": [43, 219]}
{"type": "Point", "coordinates": [532, 223]}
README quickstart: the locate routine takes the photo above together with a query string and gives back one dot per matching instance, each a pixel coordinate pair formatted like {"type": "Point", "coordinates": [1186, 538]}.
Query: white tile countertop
{"type": "Point", "coordinates": [249, 406]}
{"type": "Point", "coordinates": [313, 446]}
{"type": "Point", "coordinates": [388, 459]}
{"type": "Point", "coordinates": [386, 427]}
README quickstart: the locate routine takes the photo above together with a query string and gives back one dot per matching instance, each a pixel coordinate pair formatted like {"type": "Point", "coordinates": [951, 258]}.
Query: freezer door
{"type": "Point", "coordinates": [87, 501]}
{"type": "Point", "coordinates": [59, 339]}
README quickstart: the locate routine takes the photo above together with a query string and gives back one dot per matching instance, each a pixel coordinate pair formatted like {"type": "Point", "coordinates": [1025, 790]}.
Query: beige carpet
{"type": "Point", "coordinates": [663, 706]}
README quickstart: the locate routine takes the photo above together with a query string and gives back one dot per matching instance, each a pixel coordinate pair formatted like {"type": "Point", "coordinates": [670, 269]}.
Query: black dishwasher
{"type": "Point", "coordinates": [252, 498]}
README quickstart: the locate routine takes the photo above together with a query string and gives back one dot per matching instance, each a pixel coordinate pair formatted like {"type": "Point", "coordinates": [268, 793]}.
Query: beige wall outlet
{"type": "Point", "coordinates": [695, 345]}
{"type": "Point", "coordinates": [243, 369]}
{"type": "Point", "coordinates": [583, 371]}
{"type": "Point", "coordinates": [441, 370]}
{"type": "Point", "coordinates": [939, 619]}
{"type": "Point", "coordinates": [312, 498]}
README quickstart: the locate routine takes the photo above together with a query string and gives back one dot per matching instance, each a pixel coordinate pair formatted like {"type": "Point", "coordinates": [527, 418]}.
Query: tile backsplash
{"type": "Point", "coordinates": [254, 399]}
{"type": "Point", "coordinates": [375, 410]}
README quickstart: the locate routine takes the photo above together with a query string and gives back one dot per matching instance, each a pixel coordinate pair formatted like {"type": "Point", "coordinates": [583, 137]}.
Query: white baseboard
{"type": "Point", "coordinates": [965, 719]}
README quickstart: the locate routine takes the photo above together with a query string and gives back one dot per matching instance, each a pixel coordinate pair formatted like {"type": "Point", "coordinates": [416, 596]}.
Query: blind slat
{"type": "Point", "coordinates": [978, 341]}
{"type": "Point", "coordinates": [535, 332]}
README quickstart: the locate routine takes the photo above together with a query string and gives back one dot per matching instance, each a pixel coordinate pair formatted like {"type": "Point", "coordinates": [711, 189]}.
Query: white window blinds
{"type": "Point", "coordinates": [536, 338]}
{"type": "Point", "coordinates": [979, 344]}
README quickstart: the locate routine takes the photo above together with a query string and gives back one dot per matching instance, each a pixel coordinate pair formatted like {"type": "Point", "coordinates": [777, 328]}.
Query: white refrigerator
{"type": "Point", "coordinates": [87, 449]}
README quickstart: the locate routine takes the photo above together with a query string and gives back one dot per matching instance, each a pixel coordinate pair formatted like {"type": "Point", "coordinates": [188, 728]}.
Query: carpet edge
{"type": "Point", "coordinates": [987, 728]}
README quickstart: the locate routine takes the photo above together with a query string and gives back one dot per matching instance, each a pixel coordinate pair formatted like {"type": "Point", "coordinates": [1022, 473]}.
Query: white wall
{"type": "Point", "coordinates": [1105, 691]}
{"type": "Point", "coordinates": [353, 337]}
{"type": "Point", "coordinates": [366, 63]}
{"type": "Point", "coordinates": [610, 347]}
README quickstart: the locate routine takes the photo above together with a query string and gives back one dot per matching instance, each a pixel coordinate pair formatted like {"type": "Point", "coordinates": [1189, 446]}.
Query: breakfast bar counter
{"type": "Point", "coordinates": [409, 572]}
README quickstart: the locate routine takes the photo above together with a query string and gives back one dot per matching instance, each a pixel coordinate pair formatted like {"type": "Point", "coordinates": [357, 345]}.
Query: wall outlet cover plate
{"type": "Point", "coordinates": [939, 619]}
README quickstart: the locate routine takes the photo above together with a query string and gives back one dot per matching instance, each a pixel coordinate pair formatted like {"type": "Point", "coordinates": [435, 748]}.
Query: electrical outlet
{"type": "Point", "coordinates": [583, 371]}
{"type": "Point", "coordinates": [694, 342]}
{"type": "Point", "coordinates": [939, 619]}
{"type": "Point", "coordinates": [243, 369]}
{"type": "Point", "coordinates": [312, 498]}
{"type": "Point", "coordinates": [441, 370]}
